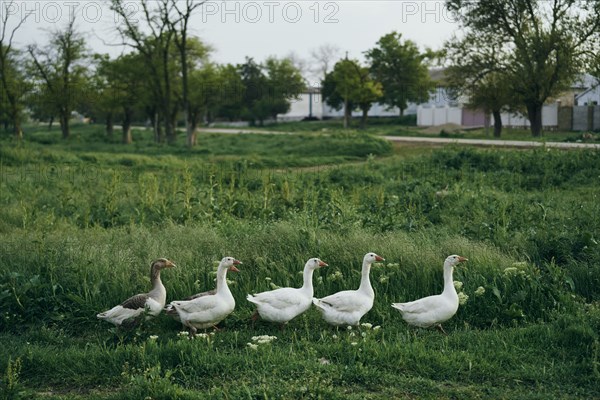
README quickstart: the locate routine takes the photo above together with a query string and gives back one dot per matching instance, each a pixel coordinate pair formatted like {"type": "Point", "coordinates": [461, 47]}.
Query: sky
{"type": "Point", "coordinates": [259, 29]}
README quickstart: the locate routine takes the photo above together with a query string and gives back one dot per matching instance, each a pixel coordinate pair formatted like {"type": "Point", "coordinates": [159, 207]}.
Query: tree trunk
{"type": "Point", "coordinates": [51, 122]}
{"type": "Point", "coordinates": [401, 112]}
{"type": "Point", "coordinates": [346, 115]}
{"type": "Point", "coordinates": [64, 125]}
{"type": "Point", "coordinates": [17, 130]}
{"type": "Point", "coordinates": [497, 123]}
{"type": "Point", "coordinates": [156, 127]}
{"type": "Point", "coordinates": [127, 118]}
{"type": "Point", "coordinates": [171, 127]}
{"type": "Point", "coordinates": [363, 120]}
{"type": "Point", "coordinates": [110, 126]}
{"type": "Point", "coordinates": [534, 113]}
{"type": "Point", "coordinates": [16, 120]}
{"type": "Point", "coordinates": [190, 129]}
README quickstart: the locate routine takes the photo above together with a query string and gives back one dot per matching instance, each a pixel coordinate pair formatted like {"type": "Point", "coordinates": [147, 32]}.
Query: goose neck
{"type": "Point", "coordinates": [308, 284]}
{"type": "Point", "coordinates": [365, 281]}
{"type": "Point", "coordinates": [448, 279]}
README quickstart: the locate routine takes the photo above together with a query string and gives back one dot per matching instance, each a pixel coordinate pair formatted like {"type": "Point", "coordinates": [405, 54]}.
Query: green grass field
{"type": "Point", "coordinates": [80, 222]}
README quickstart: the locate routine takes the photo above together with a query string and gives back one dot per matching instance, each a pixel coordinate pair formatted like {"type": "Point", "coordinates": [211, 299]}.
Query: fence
{"type": "Point", "coordinates": [576, 118]}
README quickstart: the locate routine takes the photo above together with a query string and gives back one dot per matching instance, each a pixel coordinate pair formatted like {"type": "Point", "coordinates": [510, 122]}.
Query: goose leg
{"type": "Point", "coordinates": [192, 333]}
{"type": "Point", "coordinates": [254, 316]}
{"type": "Point", "coordinates": [439, 328]}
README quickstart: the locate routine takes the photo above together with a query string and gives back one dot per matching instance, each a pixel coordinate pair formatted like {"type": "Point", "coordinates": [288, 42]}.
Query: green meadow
{"type": "Point", "coordinates": [81, 220]}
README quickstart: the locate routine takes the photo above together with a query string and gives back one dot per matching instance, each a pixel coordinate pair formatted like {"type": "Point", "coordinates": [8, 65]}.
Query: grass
{"type": "Point", "coordinates": [82, 219]}
{"type": "Point", "coordinates": [406, 126]}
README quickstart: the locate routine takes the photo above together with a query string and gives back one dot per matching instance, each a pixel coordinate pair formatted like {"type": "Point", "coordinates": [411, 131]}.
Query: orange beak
{"type": "Point", "coordinates": [378, 258]}
{"type": "Point", "coordinates": [462, 259]}
{"type": "Point", "coordinates": [323, 264]}
{"type": "Point", "coordinates": [170, 264]}
{"type": "Point", "coordinates": [233, 268]}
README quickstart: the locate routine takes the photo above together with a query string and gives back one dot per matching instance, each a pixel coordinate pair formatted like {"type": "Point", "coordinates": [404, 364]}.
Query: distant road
{"type": "Point", "coordinates": [492, 143]}
{"type": "Point", "coordinates": [435, 141]}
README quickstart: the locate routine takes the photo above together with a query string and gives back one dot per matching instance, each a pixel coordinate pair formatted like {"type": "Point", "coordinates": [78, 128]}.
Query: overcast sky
{"type": "Point", "coordinates": [259, 29]}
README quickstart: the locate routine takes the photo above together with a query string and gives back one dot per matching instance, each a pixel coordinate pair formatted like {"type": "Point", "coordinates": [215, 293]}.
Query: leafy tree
{"type": "Point", "coordinates": [350, 85]}
{"type": "Point", "coordinates": [13, 87]}
{"type": "Point", "coordinates": [124, 86]}
{"type": "Point", "coordinates": [60, 69]}
{"type": "Point", "coordinates": [179, 25]}
{"type": "Point", "coordinates": [229, 94]}
{"type": "Point", "coordinates": [268, 89]}
{"type": "Point", "coordinates": [402, 70]}
{"type": "Point", "coordinates": [477, 70]}
{"type": "Point", "coordinates": [285, 83]}
{"type": "Point", "coordinates": [547, 41]}
{"type": "Point", "coordinates": [156, 47]}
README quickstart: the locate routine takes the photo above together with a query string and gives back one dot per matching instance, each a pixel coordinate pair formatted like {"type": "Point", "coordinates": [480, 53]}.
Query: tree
{"type": "Point", "coordinates": [180, 29]}
{"type": "Point", "coordinates": [285, 83]}
{"type": "Point", "coordinates": [268, 89]}
{"type": "Point", "coordinates": [323, 59]}
{"type": "Point", "coordinates": [478, 71]}
{"type": "Point", "coordinates": [124, 87]}
{"type": "Point", "coordinates": [350, 85]}
{"type": "Point", "coordinates": [402, 70]}
{"type": "Point", "coordinates": [60, 68]}
{"type": "Point", "coordinates": [156, 47]}
{"type": "Point", "coordinates": [12, 82]}
{"type": "Point", "coordinates": [548, 43]}
{"type": "Point", "coordinates": [228, 101]}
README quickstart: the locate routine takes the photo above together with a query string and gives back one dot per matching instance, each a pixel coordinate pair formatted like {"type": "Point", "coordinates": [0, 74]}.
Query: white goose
{"type": "Point", "coordinates": [433, 310]}
{"type": "Point", "coordinates": [348, 307]}
{"type": "Point", "coordinates": [205, 310]}
{"type": "Point", "coordinates": [151, 302]}
{"type": "Point", "coordinates": [284, 304]}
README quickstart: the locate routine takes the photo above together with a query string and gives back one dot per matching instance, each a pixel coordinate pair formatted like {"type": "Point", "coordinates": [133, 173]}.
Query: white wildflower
{"type": "Point", "coordinates": [153, 337]}
{"type": "Point", "coordinates": [458, 285]}
{"type": "Point", "coordinates": [353, 343]}
{"type": "Point", "coordinates": [366, 325]}
{"type": "Point", "coordinates": [462, 298]}
{"type": "Point", "coordinates": [352, 334]}
{"type": "Point", "coordinates": [336, 276]}
{"type": "Point", "coordinates": [510, 271]}
{"type": "Point", "coordinates": [182, 333]}
{"type": "Point", "coordinates": [349, 328]}
{"type": "Point", "coordinates": [252, 346]}
{"type": "Point", "coordinates": [335, 336]}
{"type": "Point", "coordinates": [479, 291]}
{"type": "Point", "coordinates": [376, 328]}
{"type": "Point", "coordinates": [363, 334]}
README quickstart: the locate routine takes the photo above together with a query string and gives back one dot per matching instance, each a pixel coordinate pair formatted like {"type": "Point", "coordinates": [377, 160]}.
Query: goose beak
{"type": "Point", "coordinates": [379, 258]}
{"type": "Point", "coordinates": [462, 259]}
{"type": "Point", "coordinates": [233, 268]}
{"type": "Point", "coordinates": [170, 264]}
{"type": "Point", "coordinates": [323, 264]}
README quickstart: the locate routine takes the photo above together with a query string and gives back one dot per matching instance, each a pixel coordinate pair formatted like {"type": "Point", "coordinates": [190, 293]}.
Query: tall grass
{"type": "Point", "coordinates": [79, 228]}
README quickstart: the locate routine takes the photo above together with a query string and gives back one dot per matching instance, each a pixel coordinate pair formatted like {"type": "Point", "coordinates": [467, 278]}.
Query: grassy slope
{"type": "Point", "coordinates": [81, 220]}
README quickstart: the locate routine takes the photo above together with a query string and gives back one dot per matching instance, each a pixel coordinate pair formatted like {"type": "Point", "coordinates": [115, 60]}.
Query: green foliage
{"type": "Point", "coordinates": [351, 86]}
{"type": "Point", "coordinates": [544, 45]}
{"type": "Point", "coordinates": [268, 88]}
{"type": "Point", "coordinates": [10, 387]}
{"type": "Point", "coordinates": [402, 70]}
{"type": "Point", "coordinates": [82, 219]}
